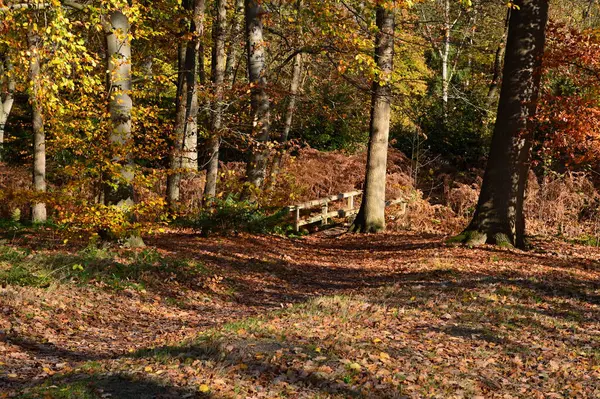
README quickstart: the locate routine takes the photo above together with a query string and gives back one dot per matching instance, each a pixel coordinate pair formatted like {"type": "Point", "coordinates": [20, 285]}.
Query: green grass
{"type": "Point", "coordinates": [117, 270]}
{"type": "Point", "coordinates": [73, 390]}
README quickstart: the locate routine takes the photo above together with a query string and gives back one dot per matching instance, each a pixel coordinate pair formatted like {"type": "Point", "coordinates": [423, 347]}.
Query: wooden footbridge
{"type": "Point", "coordinates": [325, 213]}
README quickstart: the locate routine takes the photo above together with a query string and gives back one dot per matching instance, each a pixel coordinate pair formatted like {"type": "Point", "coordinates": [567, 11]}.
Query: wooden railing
{"type": "Point", "coordinates": [326, 214]}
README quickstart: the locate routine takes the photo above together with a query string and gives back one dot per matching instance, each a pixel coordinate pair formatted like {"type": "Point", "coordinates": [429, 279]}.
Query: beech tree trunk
{"type": "Point", "coordinates": [218, 77]}
{"type": "Point", "coordinates": [371, 215]}
{"type": "Point", "coordinates": [260, 107]}
{"type": "Point", "coordinates": [38, 209]}
{"type": "Point", "coordinates": [498, 218]}
{"type": "Point", "coordinates": [7, 98]}
{"type": "Point", "coordinates": [185, 144]}
{"type": "Point", "coordinates": [120, 105]}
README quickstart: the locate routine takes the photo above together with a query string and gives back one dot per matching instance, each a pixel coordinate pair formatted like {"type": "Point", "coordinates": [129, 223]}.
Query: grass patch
{"type": "Point", "coordinates": [115, 269]}
{"type": "Point", "coordinates": [68, 390]}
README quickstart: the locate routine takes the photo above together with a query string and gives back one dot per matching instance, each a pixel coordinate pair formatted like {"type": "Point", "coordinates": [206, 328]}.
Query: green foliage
{"type": "Point", "coordinates": [461, 139]}
{"type": "Point", "coordinates": [333, 120]}
{"type": "Point", "coordinates": [231, 215]}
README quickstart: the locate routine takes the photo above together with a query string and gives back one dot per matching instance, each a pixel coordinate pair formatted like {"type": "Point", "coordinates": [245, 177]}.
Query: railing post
{"type": "Point", "coordinates": [351, 202]}
{"type": "Point", "coordinates": [297, 219]}
{"type": "Point", "coordinates": [325, 209]}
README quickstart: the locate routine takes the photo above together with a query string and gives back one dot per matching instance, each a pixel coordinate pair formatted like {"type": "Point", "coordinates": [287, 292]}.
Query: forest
{"type": "Point", "coordinates": [299, 199]}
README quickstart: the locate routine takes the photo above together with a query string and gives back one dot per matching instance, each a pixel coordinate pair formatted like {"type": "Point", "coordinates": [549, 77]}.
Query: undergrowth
{"type": "Point", "coordinates": [231, 215]}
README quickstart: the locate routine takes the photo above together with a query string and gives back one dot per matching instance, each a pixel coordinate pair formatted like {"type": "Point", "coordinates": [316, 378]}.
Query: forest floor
{"type": "Point", "coordinates": [398, 315]}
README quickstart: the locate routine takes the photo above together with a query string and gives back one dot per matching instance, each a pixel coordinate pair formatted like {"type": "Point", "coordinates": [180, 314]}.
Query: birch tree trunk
{"type": "Point", "coordinates": [218, 77]}
{"type": "Point", "coordinates": [6, 99]}
{"type": "Point", "coordinates": [371, 215]}
{"type": "Point", "coordinates": [445, 53]}
{"type": "Point", "coordinates": [260, 107]}
{"type": "Point", "coordinates": [38, 209]}
{"type": "Point", "coordinates": [498, 217]}
{"type": "Point", "coordinates": [118, 42]}
{"type": "Point", "coordinates": [185, 144]}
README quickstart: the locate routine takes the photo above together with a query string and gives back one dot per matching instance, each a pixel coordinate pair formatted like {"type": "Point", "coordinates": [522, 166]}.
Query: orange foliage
{"type": "Point", "coordinates": [569, 110]}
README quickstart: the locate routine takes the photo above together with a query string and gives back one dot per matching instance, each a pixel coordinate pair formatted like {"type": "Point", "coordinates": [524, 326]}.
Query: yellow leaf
{"type": "Point", "coordinates": [384, 356]}
{"type": "Point", "coordinates": [204, 388]}
{"type": "Point", "coordinates": [354, 366]}
{"type": "Point", "coordinates": [376, 341]}
{"type": "Point", "coordinates": [148, 369]}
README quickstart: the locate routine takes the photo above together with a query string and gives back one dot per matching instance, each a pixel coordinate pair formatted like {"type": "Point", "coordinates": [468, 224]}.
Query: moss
{"type": "Point", "coordinates": [502, 240]}
{"type": "Point", "coordinates": [367, 227]}
{"type": "Point", "coordinates": [469, 237]}
{"type": "Point", "coordinates": [457, 239]}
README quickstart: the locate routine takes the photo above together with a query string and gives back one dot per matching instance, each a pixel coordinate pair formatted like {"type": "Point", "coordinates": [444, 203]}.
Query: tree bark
{"type": "Point", "coordinates": [38, 209]}
{"type": "Point", "coordinates": [218, 77]}
{"type": "Point", "coordinates": [260, 106]}
{"type": "Point", "coordinates": [7, 99]}
{"type": "Point", "coordinates": [371, 215]}
{"type": "Point", "coordinates": [185, 144]}
{"type": "Point", "coordinates": [498, 218]}
{"type": "Point", "coordinates": [445, 53]}
{"type": "Point", "coordinates": [118, 42]}
{"type": "Point", "coordinates": [497, 68]}
{"type": "Point", "coordinates": [234, 43]}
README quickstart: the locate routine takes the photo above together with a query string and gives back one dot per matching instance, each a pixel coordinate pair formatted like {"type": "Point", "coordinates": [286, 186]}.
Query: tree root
{"type": "Point", "coordinates": [474, 238]}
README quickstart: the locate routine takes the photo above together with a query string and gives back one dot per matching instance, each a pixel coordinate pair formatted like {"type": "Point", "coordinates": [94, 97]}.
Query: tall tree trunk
{"type": "Point", "coordinates": [445, 53]}
{"type": "Point", "coordinates": [7, 100]}
{"type": "Point", "coordinates": [38, 209]}
{"type": "Point", "coordinates": [371, 216]}
{"type": "Point", "coordinates": [260, 107]}
{"type": "Point", "coordinates": [218, 77]}
{"type": "Point", "coordinates": [185, 144]}
{"type": "Point", "coordinates": [176, 156]}
{"type": "Point", "coordinates": [498, 218]}
{"type": "Point", "coordinates": [289, 116]}
{"type": "Point", "coordinates": [497, 68]}
{"type": "Point", "coordinates": [234, 43]}
{"type": "Point", "coordinates": [120, 105]}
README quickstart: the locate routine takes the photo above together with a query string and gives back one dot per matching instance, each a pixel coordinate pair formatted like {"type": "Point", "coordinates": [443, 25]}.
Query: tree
{"type": "Point", "coordinates": [498, 217]}
{"type": "Point", "coordinates": [185, 151]}
{"type": "Point", "coordinates": [371, 215]}
{"type": "Point", "coordinates": [7, 98]}
{"type": "Point", "coordinates": [259, 101]}
{"type": "Point", "coordinates": [38, 209]}
{"type": "Point", "coordinates": [218, 76]}
{"type": "Point", "coordinates": [456, 27]}
{"type": "Point", "coordinates": [232, 63]}
{"type": "Point", "coordinates": [120, 191]}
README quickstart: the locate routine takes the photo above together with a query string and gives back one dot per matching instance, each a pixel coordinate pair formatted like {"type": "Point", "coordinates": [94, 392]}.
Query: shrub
{"type": "Point", "coordinates": [231, 215]}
